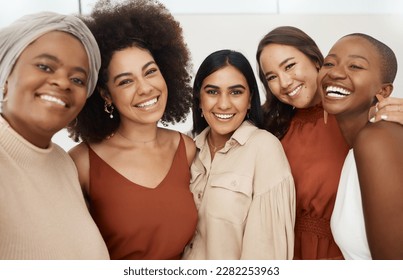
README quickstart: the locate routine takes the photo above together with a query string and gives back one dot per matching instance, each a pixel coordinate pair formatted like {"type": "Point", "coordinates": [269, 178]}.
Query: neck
{"type": "Point", "coordinates": [41, 140]}
{"type": "Point", "coordinates": [134, 135]}
{"type": "Point", "coordinates": [350, 125]}
{"type": "Point", "coordinates": [217, 142]}
{"type": "Point", "coordinates": [316, 100]}
{"type": "Point", "coordinates": [139, 139]}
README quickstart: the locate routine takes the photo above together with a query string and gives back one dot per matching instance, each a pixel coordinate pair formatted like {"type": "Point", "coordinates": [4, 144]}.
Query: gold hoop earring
{"type": "Point", "coordinates": [108, 108]}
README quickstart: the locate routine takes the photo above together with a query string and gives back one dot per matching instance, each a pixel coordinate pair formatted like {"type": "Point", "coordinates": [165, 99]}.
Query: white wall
{"type": "Point", "coordinates": [207, 33]}
{"type": "Point", "coordinates": [236, 26]}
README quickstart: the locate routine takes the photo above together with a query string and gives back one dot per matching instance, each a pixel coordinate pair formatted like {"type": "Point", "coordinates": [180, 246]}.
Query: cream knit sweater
{"type": "Point", "coordinates": [43, 214]}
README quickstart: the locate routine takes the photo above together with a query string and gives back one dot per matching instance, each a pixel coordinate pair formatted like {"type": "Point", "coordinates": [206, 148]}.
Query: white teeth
{"type": "Point", "coordinates": [52, 99]}
{"type": "Point", "coordinates": [294, 92]}
{"type": "Point", "coordinates": [337, 92]}
{"type": "Point", "coordinates": [224, 116]}
{"type": "Point", "coordinates": [148, 103]}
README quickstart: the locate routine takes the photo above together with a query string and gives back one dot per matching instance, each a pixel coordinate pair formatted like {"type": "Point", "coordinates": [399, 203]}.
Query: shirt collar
{"type": "Point", "coordinates": [241, 135]}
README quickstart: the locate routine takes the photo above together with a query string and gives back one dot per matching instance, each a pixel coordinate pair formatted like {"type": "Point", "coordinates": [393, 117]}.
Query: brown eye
{"type": "Point", "coordinates": [290, 66]}
{"type": "Point", "coordinates": [44, 67]}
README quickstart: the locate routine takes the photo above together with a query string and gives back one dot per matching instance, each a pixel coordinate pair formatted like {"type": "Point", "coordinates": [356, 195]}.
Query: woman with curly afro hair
{"type": "Point", "coordinates": [135, 173]}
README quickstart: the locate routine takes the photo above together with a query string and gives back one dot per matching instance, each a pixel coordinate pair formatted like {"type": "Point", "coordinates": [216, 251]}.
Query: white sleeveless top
{"type": "Point", "coordinates": [347, 221]}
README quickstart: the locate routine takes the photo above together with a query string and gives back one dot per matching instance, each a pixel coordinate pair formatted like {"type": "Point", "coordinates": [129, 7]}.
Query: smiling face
{"type": "Point", "coordinates": [47, 87]}
{"type": "Point", "coordinates": [225, 100]}
{"type": "Point", "coordinates": [290, 75]}
{"type": "Point", "coordinates": [350, 77]}
{"type": "Point", "coordinates": [137, 86]}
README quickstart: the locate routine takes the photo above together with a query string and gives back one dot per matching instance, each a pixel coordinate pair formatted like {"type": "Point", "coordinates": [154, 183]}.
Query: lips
{"type": "Point", "coordinates": [337, 92]}
{"type": "Point", "coordinates": [53, 99]}
{"type": "Point", "coordinates": [295, 91]}
{"type": "Point", "coordinates": [224, 116]}
{"type": "Point", "coordinates": [148, 103]}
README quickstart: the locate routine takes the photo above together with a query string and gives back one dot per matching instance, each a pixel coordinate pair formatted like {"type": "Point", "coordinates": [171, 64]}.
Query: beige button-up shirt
{"type": "Point", "coordinates": [245, 198]}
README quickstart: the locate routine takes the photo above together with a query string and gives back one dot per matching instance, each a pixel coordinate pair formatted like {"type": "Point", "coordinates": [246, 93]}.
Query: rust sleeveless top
{"type": "Point", "coordinates": [143, 223]}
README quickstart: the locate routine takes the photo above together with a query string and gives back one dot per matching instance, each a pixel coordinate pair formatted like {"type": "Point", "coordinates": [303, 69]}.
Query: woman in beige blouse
{"type": "Point", "coordinates": [241, 179]}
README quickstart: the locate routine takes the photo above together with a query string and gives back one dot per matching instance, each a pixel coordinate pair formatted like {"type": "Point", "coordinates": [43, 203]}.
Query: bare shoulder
{"type": "Point", "coordinates": [78, 151]}
{"type": "Point", "coordinates": [384, 136]}
{"type": "Point", "coordinates": [378, 153]}
{"type": "Point", "coordinates": [79, 154]}
{"type": "Point", "coordinates": [189, 143]}
{"type": "Point", "coordinates": [190, 148]}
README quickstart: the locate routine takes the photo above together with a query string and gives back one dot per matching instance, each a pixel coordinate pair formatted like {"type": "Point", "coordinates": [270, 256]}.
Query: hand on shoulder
{"type": "Point", "coordinates": [389, 109]}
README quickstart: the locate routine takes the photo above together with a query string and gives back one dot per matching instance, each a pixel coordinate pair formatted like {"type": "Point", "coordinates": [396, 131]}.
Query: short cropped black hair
{"type": "Point", "coordinates": [387, 57]}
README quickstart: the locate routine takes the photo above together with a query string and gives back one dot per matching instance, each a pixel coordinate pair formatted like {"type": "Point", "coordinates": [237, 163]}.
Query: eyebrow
{"type": "Point", "coordinates": [281, 64]}
{"type": "Point", "coordinates": [129, 73]}
{"type": "Point", "coordinates": [231, 87]}
{"type": "Point", "coordinates": [57, 60]}
{"type": "Point", "coordinates": [359, 56]}
{"type": "Point", "coordinates": [351, 56]}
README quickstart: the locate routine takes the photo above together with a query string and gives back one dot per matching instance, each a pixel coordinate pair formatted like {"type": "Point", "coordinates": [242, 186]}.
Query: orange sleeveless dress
{"type": "Point", "coordinates": [138, 222]}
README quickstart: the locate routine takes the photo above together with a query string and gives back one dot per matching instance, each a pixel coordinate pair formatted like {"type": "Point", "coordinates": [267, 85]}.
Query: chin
{"type": "Point", "coordinates": [333, 110]}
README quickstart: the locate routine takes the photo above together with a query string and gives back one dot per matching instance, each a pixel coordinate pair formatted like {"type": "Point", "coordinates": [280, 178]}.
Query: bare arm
{"type": "Point", "coordinates": [379, 157]}
{"type": "Point", "coordinates": [190, 148]}
{"type": "Point", "coordinates": [79, 154]}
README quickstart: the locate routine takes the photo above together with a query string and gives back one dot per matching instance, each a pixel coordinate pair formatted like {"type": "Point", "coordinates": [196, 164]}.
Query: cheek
{"type": "Point", "coordinates": [242, 104]}
{"type": "Point", "coordinates": [206, 103]}
{"type": "Point", "coordinates": [321, 74]}
{"type": "Point", "coordinates": [275, 89]}
{"type": "Point", "coordinates": [81, 99]}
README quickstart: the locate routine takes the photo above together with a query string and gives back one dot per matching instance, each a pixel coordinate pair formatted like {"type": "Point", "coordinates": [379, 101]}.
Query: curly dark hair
{"type": "Point", "coordinates": [277, 115]}
{"type": "Point", "coordinates": [141, 23]}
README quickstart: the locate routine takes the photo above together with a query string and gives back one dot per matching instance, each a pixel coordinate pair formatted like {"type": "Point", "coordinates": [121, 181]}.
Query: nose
{"type": "Point", "coordinates": [143, 87]}
{"type": "Point", "coordinates": [223, 102]}
{"type": "Point", "coordinates": [61, 80]}
{"type": "Point", "coordinates": [285, 81]}
{"type": "Point", "coordinates": [336, 72]}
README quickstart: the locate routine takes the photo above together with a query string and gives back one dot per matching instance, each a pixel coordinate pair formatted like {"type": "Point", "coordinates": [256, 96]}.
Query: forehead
{"type": "Point", "coordinates": [60, 44]}
{"type": "Point", "coordinates": [281, 48]}
{"type": "Point", "coordinates": [56, 37]}
{"type": "Point", "coordinates": [355, 46]}
{"type": "Point", "coordinates": [131, 53]}
{"type": "Point", "coordinates": [128, 58]}
{"type": "Point", "coordinates": [274, 54]}
{"type": "Point", "coordinates": [226, 74]}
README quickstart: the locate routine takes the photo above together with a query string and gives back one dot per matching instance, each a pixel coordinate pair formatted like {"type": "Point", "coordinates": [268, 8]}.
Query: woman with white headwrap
{"type": "Point", "coordinates": [48, 67]}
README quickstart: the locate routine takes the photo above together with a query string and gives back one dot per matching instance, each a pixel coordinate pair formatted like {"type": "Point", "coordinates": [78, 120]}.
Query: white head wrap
{"type": "Point", "coordinates": [17, 36]}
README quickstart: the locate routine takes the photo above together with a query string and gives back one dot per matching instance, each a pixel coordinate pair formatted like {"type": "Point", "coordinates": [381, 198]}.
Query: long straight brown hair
{"type": "Point", "coordinates": [276, 114]}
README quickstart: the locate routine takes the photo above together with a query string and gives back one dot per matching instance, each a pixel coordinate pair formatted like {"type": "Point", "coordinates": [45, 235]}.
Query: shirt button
{"type": "Point", "coordinates": [191, 245]}
{"type": "Point", "coordinates": [199, 195]}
